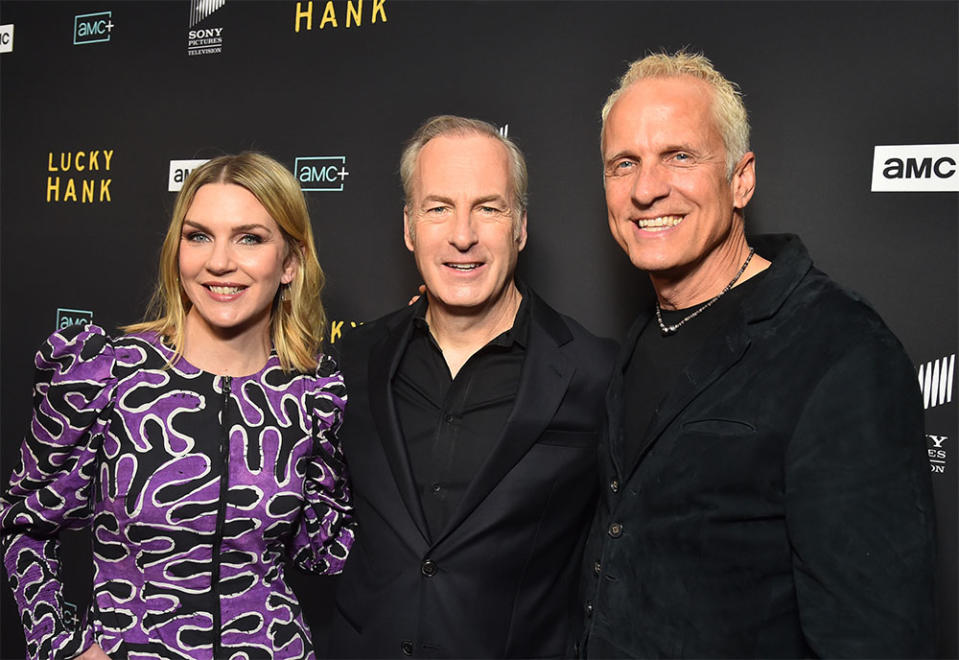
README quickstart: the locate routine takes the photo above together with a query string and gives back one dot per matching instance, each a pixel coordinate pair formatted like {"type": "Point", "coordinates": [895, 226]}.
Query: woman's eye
{"type": "Point", "coordinates": [250, 239]}
{"type": "Point", "coordinates": [196, 236]}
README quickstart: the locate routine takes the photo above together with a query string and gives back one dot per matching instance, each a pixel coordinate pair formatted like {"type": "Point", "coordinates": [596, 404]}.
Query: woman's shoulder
{"type": "Point", "coordinates": [74, 346]}
{"type": "Point", "coordinates": [326, 378]}
{"type": "Point", "coordinates": [120, 353]}
{"type": "Point", "coordinates": [80, 358]}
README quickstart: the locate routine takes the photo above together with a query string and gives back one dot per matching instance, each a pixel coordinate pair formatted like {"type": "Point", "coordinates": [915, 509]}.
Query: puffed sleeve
{"type": "Point", "coordinates": [860, 510]}
{"type": "Point", "coordinates": [50, 488]}
{"type": "Point", "coordinates": [325, 533]}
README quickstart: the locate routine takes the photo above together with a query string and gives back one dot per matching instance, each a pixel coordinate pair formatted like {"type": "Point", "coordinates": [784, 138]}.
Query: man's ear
{"type": "Point", "coordinates": [744, 180]}
{"type": "Point", "coordinates": [521, 238]}
{"type": "Point", "coordinates": [407, 235]}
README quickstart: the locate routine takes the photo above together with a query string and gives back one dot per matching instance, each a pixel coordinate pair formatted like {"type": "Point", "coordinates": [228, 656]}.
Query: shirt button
{"type": "Point", "coordinates": [450, 419]}
{"type": "Point", "coordinates": [614, 486]}
{"type": "Point", "coordinates": [597, 567]}
{"type": "Point", "coordinates": [589, 609]}
{"type": "Point", "coordinates": [407, 647]}
{"type": "Point", "coordinates": [436, 488]}
{"type": "Point", "coordinates": [615, 530]}
{"type": "Point", "coordinates": [428, 568]}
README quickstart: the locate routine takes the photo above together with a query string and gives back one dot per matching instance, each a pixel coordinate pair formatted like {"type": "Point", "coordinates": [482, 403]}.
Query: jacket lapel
{"type": "Point", "coordinates": [614, 396]}
{"type": "Point", "coordinates": [384, 361]}
{"type": "Point", "coordinates": [717, 355]}
{"type": "Point", "coordinates": [790, 263]}
{"type": "Point", "coordinates": [543, 382]}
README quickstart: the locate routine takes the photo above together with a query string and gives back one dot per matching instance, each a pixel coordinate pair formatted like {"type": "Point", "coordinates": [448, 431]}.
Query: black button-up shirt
{"type": "Point", "coordinates": [451, 424]}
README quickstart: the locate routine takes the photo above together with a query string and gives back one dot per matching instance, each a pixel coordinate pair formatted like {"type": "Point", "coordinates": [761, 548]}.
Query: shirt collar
{"type": "Point", "coordinates": [518, 333]}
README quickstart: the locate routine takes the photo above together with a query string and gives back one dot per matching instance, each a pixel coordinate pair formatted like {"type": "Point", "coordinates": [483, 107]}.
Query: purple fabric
{"type": "Point", "coordinates": [139, 453]}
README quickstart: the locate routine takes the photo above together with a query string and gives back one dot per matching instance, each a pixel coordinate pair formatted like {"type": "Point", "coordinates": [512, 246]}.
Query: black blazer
{"type": "Point", "coordinates": [500, 580]}
{"type": "Point", "coordinates": [781, 503]}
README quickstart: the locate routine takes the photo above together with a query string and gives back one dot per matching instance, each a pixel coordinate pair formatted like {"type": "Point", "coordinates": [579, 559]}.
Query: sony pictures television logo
{"type": "Point", "coordinates": [204, 40]}
{"type": "Point", "coordinates": [92, 28]}
{"type": "Point", "coordinates": [936, 380]}
{"type": "Point", "coordinates": [321, 173]}
{"type": "Point", "coordinates": [916, 168]}
{"type": "Point", "coordinates": [938, 452]}
{"type": "Point", "coordinates": [67, 317]}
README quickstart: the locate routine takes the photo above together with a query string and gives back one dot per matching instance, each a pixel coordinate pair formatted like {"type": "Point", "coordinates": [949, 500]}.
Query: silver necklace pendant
{"type": "Point", "coordinates": [670, 329]}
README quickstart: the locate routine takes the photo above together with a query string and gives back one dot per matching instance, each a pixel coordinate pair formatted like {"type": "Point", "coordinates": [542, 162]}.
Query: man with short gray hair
{"type": "Point", "coordinates": [471, 428]}
{"type": "Point", "coordinates": [765, 486]}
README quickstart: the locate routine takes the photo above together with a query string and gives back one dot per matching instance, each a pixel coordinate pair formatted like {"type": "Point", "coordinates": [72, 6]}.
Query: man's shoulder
{"type": "Point", "coordinates": [569, 332]}
{"type": "Point", "coordinates": [839, 321]}
{"type": "Point", "coordinates": [384, 324]}
{"type": "Point", "coordinates": [356, 342]}
{"type": "Point", "coordinates": [825, 301]}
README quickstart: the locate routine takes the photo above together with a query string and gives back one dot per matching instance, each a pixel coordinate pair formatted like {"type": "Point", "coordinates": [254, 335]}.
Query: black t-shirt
{"type": "Point", "coordinates": [658, 359]}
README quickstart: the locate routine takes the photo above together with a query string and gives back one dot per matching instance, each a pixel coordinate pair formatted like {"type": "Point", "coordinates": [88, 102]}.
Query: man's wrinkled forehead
{"type": "Point", "coordinates": [454, 164]}
{"type": "Point", "coordinates": [663, 91]}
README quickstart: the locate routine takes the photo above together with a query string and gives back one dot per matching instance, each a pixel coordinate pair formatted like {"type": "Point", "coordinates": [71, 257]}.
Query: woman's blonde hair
{"type": "Point", "coordinates": [298, 321]}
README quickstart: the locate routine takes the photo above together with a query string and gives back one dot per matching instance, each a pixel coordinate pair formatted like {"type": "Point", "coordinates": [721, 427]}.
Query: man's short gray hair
{"type": "Point", "coordinates": [463, 126]}
{"type": "Point", "coordinates": [728, 108]}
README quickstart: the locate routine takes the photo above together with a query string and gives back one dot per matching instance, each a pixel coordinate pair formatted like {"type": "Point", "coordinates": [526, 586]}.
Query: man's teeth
{"type": "Point", "coordinates": [661, 223]}
{"type": "Point", "coordinates": [463, 266]}
{"type": "Point", "coordinates": [226, 290]}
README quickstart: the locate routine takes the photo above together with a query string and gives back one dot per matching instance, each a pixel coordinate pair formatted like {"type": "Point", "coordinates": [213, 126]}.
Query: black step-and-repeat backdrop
{"type": "Point", "coordinates": [106, 105]}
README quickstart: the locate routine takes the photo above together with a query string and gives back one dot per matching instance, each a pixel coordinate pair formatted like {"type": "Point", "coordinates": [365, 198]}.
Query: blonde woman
{"type": "Point", "coordinates": [200, 445]}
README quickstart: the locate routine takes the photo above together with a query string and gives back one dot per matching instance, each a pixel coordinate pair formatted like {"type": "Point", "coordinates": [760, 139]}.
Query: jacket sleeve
{"type": "Point", "coordinates": [859, 510]}
{"type": "Point", "coordinates": [50, 488]}
{"type": "Point", "coordinates": [325, 532]}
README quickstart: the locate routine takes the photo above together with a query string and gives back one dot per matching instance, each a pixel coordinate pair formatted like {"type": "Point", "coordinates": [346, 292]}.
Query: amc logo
{"type": "Point", "coordinates": [916, 168]}
{"type": "Point", "coordinates": [321, 173]}
{"type": "Point", "coordinates": [180, 170]}
{"type": "Point", "coordinates": [92, 28]}
{"type": "Point", "coordinates": [6, 38]}
{"type": "Point", "coordinates": [67, 317]}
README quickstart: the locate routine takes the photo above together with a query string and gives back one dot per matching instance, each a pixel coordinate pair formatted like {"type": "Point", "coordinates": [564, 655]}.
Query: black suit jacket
{"type": "Point", "coordinates": [499, 581]}
{"type": "Point", "coordinates": [781, 503]}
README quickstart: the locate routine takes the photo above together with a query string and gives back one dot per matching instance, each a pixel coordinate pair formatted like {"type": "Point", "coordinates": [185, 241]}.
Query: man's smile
{"type": "Point", "coordinates": [659, 223]}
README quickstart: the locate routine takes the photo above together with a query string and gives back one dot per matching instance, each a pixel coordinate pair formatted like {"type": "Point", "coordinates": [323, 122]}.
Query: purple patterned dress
{"type": "Point", "coordinates": [196, 486]}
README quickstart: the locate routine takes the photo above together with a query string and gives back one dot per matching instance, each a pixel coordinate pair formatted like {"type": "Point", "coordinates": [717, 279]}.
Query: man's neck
{"type": "Point", "coordinates": [707, 279]}
{"type": "Point", "coordinates": [460, 334]}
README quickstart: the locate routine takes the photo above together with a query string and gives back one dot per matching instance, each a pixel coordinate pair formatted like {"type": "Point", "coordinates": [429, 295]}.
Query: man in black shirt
{"type": "Point", "coordinates": [766, 491]}
{"type": "Point", "coordinates": [471, 428]}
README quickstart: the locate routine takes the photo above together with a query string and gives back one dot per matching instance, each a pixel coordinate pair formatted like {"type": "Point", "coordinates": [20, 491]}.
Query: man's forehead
{"type": "Point", "coordinates": [460, 164]}
{"type": "Point", "coordinates": [665, 90]}
{"type": "Point", "coordinates": [663, 107]}
{"type": "Point", "coordinates": [456, 146]}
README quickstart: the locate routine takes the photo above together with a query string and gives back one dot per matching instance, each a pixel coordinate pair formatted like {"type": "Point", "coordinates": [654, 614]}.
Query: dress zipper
{"type": "Point", "coordinates": [221, 514]}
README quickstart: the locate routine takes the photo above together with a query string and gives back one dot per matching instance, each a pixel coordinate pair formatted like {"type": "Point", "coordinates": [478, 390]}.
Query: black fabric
{"type": "Point", "coordinates": [781, 504]}
{"type": "Point", "coordinates": [451, 424]}
{"type": "Point", "coordinates": [500, 580]}
{"type": "Point", "coordinates": [658, 359]}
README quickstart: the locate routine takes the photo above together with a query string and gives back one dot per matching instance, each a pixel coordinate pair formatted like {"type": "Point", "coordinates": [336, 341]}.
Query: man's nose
{"type": "Point", "coordinates": [651, 183]}
{"type": "Point", "coordinates": [463, 231]}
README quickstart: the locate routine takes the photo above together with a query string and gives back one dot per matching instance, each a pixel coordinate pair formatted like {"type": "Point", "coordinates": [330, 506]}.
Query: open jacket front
{"type": "Point", "coordinates": [500, 579]}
